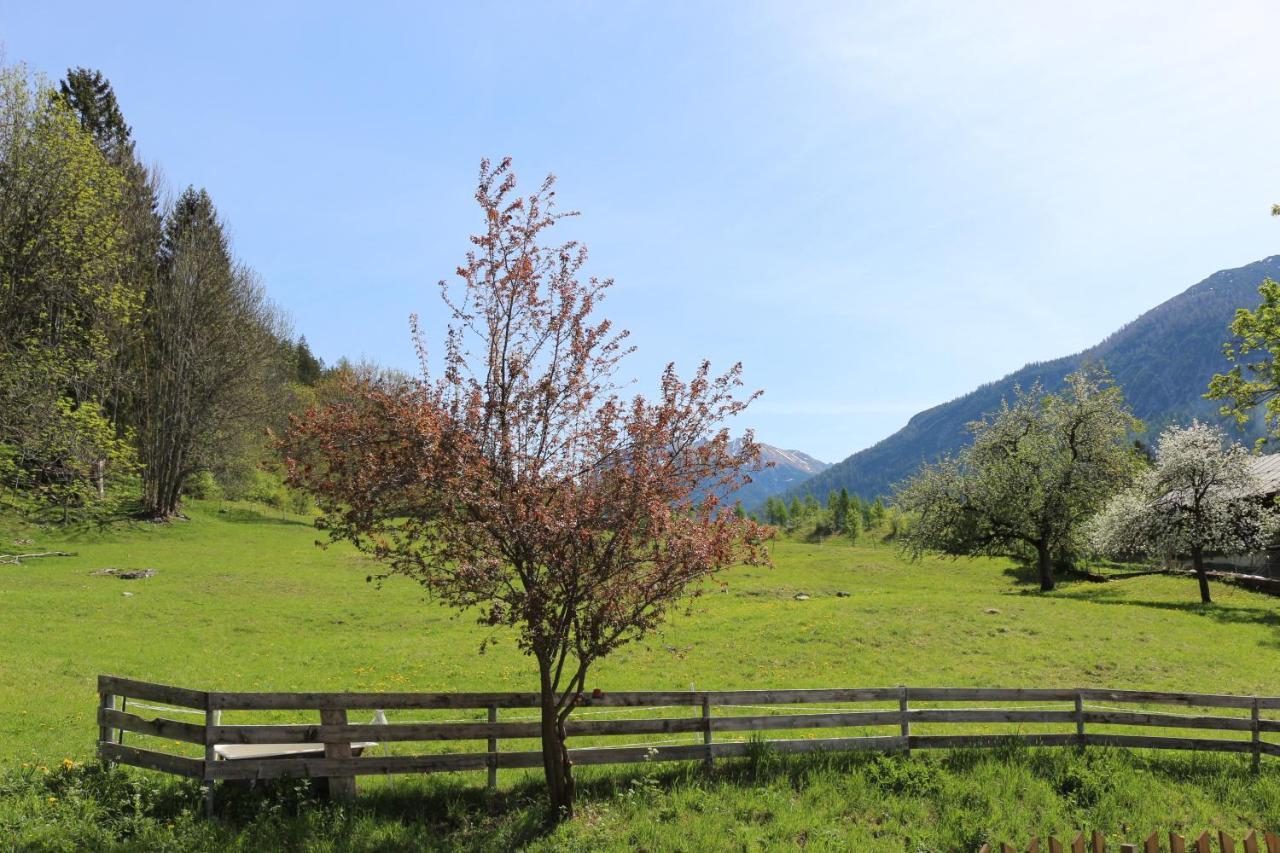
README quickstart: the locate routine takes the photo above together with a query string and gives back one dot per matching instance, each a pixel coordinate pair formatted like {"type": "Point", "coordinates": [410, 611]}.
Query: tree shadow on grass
{"type": "Point", "coordinates": [456, 812]}
{"type": "Point", "coordinates": [1026, 575]}
{"type": "Point", "coordinates": [1226, 614]}
{"type": "Point", "coordinates": [243, 515]}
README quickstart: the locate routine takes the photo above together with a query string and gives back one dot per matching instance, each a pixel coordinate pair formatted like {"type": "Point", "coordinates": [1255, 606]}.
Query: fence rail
{"type": "Point", "coordinates": [331, 748]}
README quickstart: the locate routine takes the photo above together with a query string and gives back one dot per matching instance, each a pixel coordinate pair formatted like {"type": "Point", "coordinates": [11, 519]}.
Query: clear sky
{"type": "Point", "coordinates": [875, 206]}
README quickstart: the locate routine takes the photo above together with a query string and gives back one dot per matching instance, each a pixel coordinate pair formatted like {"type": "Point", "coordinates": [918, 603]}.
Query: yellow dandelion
{"type": "Point", "coordinates": [53, 799]}
{"type": "Point", "coordinates": [67, 764]}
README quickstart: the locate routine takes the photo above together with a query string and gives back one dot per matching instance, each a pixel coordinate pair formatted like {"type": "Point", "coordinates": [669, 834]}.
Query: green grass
{"type": "Point", "coordinates": [243, 600]}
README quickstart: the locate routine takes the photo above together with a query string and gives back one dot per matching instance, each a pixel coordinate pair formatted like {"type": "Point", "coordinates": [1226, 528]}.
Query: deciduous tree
{"type": "Point", "coordinates": [1035, 471]}
{"type": "Point", "coordinates": [518, 482]}
{"type": "Point", "coordinates": [1199, 496]}
{"type": "Point", "coordinates": [65, 306]}
{"type": "Point", "coordinates": [212, 354]}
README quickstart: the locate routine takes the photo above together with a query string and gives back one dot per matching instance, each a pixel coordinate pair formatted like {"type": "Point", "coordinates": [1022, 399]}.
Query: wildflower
{"type": "Point", "coordinates": [67, 764]}
{"type": "Point", "coordinates": [53, 799]}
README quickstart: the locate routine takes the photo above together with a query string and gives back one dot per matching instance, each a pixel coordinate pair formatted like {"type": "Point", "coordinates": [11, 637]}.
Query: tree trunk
{"type": "Point", "coordinates": [555, 755]}
{"type": "Point", "coordinates": [1197, 560]}
{"type": "Point", "coordinates": [1044, 563]}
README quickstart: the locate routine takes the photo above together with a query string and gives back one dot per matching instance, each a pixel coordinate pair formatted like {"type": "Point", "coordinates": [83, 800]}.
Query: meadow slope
{"type": "Point", "coordinates": [243, 599]}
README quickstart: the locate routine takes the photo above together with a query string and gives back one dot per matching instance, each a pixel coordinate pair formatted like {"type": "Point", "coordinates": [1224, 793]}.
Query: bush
{"type": "Point", "coordinates": [202, 487]}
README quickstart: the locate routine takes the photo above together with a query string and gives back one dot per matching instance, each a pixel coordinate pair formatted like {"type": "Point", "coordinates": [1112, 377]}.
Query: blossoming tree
{"type": "Point", "coordinates": [1198, 497]}
{"type": "Point", "coordinates": [519, 483]}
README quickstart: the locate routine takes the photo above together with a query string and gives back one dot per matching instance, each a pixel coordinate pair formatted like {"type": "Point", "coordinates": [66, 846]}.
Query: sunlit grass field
{"type": "Point", "coordinates": [244, 600]}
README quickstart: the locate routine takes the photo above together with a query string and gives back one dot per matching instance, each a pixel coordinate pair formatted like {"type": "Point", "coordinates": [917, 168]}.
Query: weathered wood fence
{"type": "Point", "coordinates": [716, 721]}
{"type": "Point", "coordinates": [1251, 843]}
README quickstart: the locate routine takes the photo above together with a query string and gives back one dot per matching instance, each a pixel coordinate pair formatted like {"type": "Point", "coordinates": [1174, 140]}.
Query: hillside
{"type": "Point", "coordinates": [1163, 360]}
{"type": "Point", "coordinates": [243, 600]}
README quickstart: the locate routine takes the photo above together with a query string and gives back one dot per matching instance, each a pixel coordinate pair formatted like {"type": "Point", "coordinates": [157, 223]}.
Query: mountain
{"type": "Point", "coordinates": [1163, 361]}
{"type": "Point", "coordinates": [790, 469]}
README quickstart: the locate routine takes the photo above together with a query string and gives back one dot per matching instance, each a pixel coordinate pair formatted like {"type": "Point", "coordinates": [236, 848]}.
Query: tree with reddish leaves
{"type": "Point", "coordinates": [519, 483]}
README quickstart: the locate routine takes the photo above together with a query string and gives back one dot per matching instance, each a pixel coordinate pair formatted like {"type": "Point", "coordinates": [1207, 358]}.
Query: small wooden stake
{"type": "Point", "coordinates": [211, 719]}
{"type": "Point", "coordinates": [1177, 844]}
{"type": "Point", "coordinates": [493, 751]}
{"type": "Point", "coordinates": [1225, 842]}
{"type": "Point", "coordinates": [1151, 845]}
{"type": "Point", "coordinates": [905, 721]}
{"type": "Point", "coordinates": [710, 759]}
{"type": "Point", "coordinates": [341, 788]}
{"type": "Point", "coordinates": [1099, 842]}
{"type": "Point", "coordinates": [1203, 842]}
{"type": "Point", "coordinates": [1255, 718]}
{"type": "Point", "coordinates": [106, 702]}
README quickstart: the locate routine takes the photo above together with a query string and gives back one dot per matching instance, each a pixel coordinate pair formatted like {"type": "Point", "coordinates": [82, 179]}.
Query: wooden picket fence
{"type": "Point", "coordinates": [718, 724]}
{"type": "Point", "coordinates": [1251, 843]}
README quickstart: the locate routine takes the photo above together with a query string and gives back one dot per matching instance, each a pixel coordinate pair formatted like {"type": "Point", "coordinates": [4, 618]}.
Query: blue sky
{"type": "Point", "coordinates": [875, 206]}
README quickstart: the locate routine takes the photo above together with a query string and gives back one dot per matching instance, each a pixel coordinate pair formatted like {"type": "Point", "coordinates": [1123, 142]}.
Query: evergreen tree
{"type": "Point", "coordinates": [308, 368]}
{"type": "Point", "coordinates": [90, 96]}
{"type": "Point", "coordinates": [840, 510]}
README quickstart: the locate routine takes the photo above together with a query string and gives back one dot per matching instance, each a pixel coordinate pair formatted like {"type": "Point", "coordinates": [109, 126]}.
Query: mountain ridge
{"type": "Point", "coordinates": [1163, 360]}
{"type": "Point", "coordinates": [790, 468]}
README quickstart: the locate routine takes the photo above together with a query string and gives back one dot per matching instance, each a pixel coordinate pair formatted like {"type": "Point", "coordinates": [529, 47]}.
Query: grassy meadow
{"type": "Point", "coordinates": [244, 600]}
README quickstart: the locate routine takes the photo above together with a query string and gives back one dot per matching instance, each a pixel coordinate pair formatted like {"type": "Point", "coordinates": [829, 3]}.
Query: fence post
{"type": "Point", "coordinates": [493, 751]}
{"type": "Point", "coordinates": [211, 719]}
{"type": "Point", "coordinates": [1256, 729]}
{"type": "Point", "coordinates": [1080, 739]}
{"type": "Point", "coordinates": [106, 702]}
{"type": "Point", "coordinates": [709, 761]}
{"type": "Point", "coordinates": [904, 719]}
{"type": "Point", "coordinates": [341, 788]}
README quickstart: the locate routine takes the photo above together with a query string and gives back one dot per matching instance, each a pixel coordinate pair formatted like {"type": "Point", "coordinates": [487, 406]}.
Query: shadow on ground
{"type": "Point", "coordinates": [241, 515]}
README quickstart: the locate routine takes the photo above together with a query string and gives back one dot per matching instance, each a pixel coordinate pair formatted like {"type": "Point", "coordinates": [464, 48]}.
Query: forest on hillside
{"type": "Point", "coordinates": [140, 358]}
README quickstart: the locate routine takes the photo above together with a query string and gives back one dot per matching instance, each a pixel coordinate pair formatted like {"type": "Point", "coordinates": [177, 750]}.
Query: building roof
{"type": "Point", "coordinates": [1267, 470]}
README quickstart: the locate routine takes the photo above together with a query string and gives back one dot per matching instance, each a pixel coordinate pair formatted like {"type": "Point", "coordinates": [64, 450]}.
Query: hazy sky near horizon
{"type": "Point", "coordinates": [874, 206]}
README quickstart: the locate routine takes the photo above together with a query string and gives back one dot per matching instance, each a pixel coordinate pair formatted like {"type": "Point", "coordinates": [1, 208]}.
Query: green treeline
{"type": "Point", "coordinates": [139, 357]}
{"type": "Point", "coordinates": [843, 514]}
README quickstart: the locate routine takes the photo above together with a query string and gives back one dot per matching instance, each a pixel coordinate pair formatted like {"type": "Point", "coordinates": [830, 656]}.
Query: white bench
{"type": "Point", "coordinates": [233, 751]}
{"type": "Point", "coordinates": [237, 751]}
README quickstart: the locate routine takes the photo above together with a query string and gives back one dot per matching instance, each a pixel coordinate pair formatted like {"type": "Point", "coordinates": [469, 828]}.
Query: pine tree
{"type": "Point", "coordinates": [840, 512]}
{"type": "Point", "coordinates": [308, 369]}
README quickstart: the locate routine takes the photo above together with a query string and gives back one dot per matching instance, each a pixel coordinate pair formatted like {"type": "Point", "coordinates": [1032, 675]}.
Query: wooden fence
{"type": "Point", "coordinates": [884, 719]}
{"type": "Point", "coordinates": [1268, 842]}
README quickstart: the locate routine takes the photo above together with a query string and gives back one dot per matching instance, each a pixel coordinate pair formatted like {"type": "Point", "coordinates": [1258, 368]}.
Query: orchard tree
{"type": "Point", "coordinates": [1036, 470]}
{"type": "Point", "coordinates": [518, 481]}
{"type": "Point", "coordinates": [1198, 497]}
